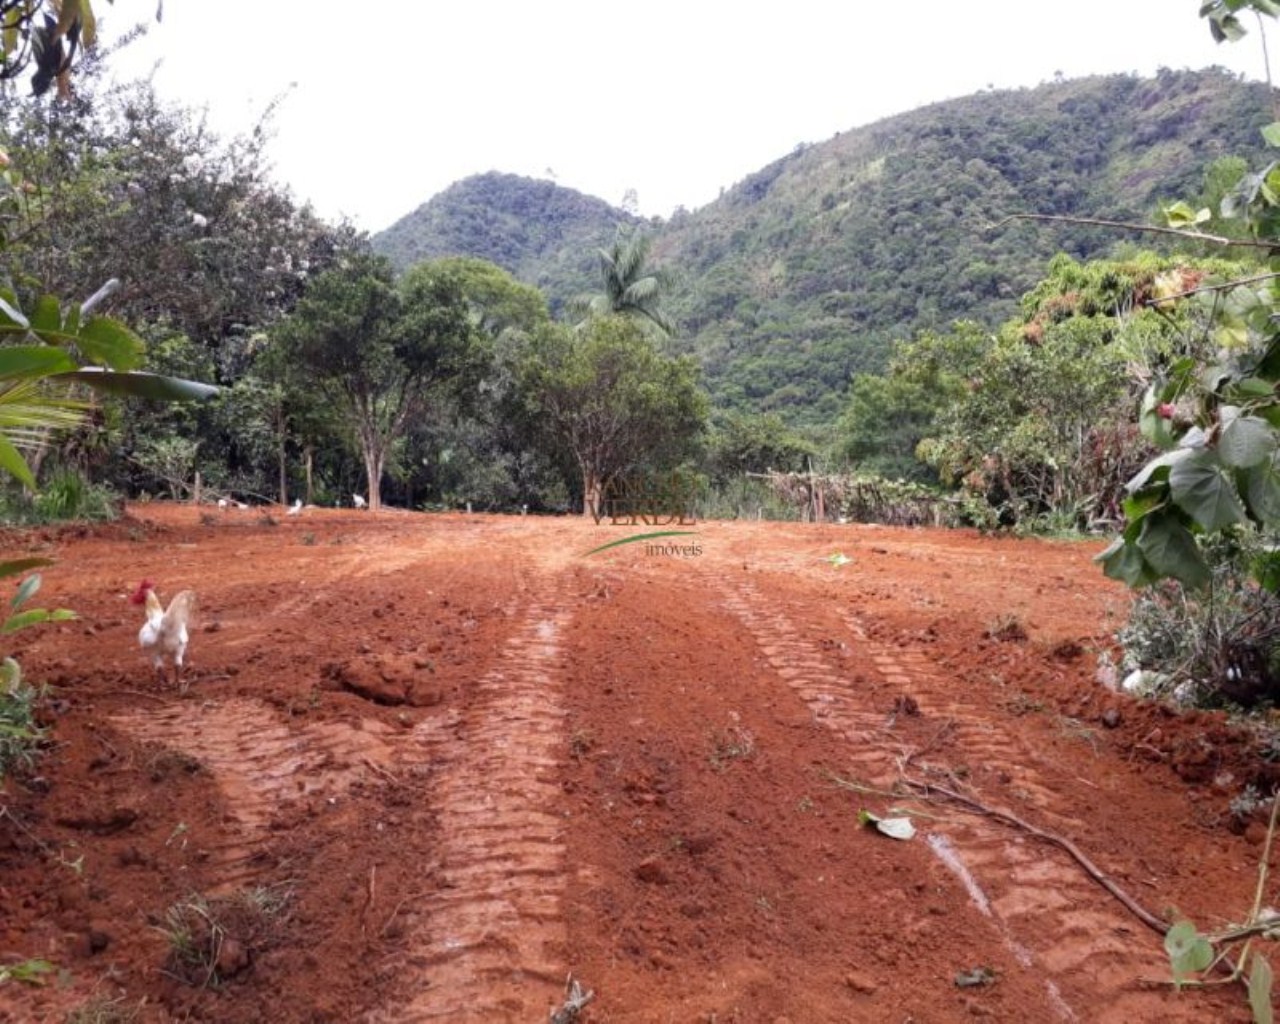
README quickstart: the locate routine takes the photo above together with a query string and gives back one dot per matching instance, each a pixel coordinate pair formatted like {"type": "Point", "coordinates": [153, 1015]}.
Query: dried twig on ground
{"type": "Point", "coordinates": [574, 1002]}
{"type": "Point", "coordinates": [1153, 922]}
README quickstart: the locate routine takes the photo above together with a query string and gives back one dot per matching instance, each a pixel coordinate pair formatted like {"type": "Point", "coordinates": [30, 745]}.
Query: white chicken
{"type": "Point", "coordinates": [295, 509]}
{"type": "Point", "coordinates": [164, 633]}
{"type": "Point", "coordinates": [358, 501]}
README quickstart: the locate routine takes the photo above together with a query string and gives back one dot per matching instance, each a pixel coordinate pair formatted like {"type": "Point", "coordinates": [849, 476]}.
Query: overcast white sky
{"type": "Point", "coordinates": [389, 103]}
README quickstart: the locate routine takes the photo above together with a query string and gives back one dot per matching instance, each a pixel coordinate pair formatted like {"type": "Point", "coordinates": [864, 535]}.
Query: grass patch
{"type": "Point", "coordinates": [213, 939]}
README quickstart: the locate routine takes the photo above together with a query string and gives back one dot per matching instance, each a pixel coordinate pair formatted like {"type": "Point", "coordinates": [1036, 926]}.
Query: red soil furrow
{"type": "Point", "coordinates": [1088, 946]}
{"type": "Point", "coordinates": [489, 946]}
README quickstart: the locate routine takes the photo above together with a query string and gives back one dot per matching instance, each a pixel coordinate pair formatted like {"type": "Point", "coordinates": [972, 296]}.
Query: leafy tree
{"type": "Point", "coordinates": [628, 287]}
{"type": "Point", "coordinates": [1033, 420]}
{"type": "Point", "coordinates": [380, 351]}
{"type": "Point", "coordinates": [191, 224]}
{"type": "Point", "coordinates": [887, 416]}
{"type": "Point", "coordinates": [612, 402]}
{"type": "Point", "coordinates": [1214, 411]}
{"type": "Point", "coordinates": [742, 443]}
{"type": "Point", "coordinates": [486, 452]}
{"type": "Point", "coordinates": [499, 303]}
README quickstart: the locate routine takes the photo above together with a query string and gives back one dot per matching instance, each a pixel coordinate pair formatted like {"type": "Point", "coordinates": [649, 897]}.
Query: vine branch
{"type": "Point", "coordinates": [1155, 229]}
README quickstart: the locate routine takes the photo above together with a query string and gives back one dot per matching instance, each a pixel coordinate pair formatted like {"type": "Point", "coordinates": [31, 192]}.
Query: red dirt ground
{"type": "Point", "coordinates": [430, 766]}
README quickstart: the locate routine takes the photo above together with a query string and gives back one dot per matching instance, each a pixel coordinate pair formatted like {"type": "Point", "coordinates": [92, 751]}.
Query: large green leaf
{"type": "Point", "coordinates": [1251, 389]}
{"type": "Point", "coordinates": [33, 361]}
{"type": "Point", "coordinates": [47, 316]}
{"type": "Point", "coordinates": [1182, 215]}
{"type": "Point", "coordinates": [21, 565]}
{"type": "Point", "coordinates": [1245, 440]}
{"type": "Point", "coordinates": [11, 317]}
{"type": "Point", "coordinates": [14, 464]}
{"type": "Point", "coordinates": [1189, 951]}
{"type": "Point", "coordinates": [1170, 550]}
{"type": "Point", "coordinates": [1260, 980]}
{"type": "Point", "coordinates": [35, 617]}
{"type": "Point", "coordinates": [26, 591]}
{"type": "Point", "coordinates": [142, 385]}
{"type": "Point", "coordinates": [1201, 489]}
{"type": "Point", "coordinates": [1157, 470]}
{"type": "Point", "coordinates": [1262, 490]}
{"type": "Point", "coordinates": [110, 343]}
{"type": "Point", "coordinates": [1124, 562]}
{"type": "Point", "coordinates": [1144, 502]}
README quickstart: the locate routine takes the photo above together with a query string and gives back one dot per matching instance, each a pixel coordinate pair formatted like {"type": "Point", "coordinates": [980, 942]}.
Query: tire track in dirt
{"type": "Point", "coordinates": [261, 762]}
{"type": "Point", "coordinates": [489, 945]}
{"type": "Point", "coordinates": [1054, 920]}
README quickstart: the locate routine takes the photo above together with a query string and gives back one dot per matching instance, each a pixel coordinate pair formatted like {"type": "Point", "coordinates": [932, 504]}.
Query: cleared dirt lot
{"type": "Point", "coordinates": [429, 766]}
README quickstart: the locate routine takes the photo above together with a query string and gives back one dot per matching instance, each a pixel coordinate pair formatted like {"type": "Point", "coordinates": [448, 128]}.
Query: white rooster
{"type": "Point", "coordinates": [358, 501]}
{"type": "Point", "coordinates": [165, 632]}
{"type": "Point", "coordinates": [295, 509]}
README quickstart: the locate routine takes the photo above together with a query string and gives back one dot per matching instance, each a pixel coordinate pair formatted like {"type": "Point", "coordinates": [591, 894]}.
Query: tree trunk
{"type": "Point", "coordinates": [310, 481]}
{"type": "Point", "coordinates": [592, 495]}
{"type": "Point", "coordinates": [373, 472]}
{"type": "Point", "coordinates": [284, 467]}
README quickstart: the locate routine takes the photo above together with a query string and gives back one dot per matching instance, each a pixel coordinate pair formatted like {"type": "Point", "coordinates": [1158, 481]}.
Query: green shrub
{"type": "Point", "coordinates": [70, 496]}
{"type": "Point", "coordinates": [1216, 645]}
{"type": "Point", "coordinates": [19, 734]}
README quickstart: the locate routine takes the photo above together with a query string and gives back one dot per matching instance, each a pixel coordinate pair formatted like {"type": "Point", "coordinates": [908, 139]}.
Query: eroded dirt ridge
{"type": "Point", "coordinates": [489, 944]}
{"type": "Point", "coordinates": [1042, 907]}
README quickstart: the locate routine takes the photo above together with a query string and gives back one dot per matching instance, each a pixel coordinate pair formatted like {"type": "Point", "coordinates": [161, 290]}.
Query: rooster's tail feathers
{"type": "Point", "coordinates": [183, 607]}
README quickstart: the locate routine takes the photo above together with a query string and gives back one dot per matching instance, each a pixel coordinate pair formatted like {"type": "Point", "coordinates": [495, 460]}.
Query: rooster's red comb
{"type": "Point", "coordinates": [140, 595]}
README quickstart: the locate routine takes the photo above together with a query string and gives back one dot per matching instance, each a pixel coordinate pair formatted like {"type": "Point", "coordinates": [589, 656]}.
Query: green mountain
{"type": "Point", "coordinates": [807, 270]}
{"type": "Point", "coordinates": [541, 233]}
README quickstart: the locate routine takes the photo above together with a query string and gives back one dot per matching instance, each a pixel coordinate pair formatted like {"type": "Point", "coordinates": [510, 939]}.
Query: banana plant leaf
{"type": "Point", "coordinates": [140, 385]}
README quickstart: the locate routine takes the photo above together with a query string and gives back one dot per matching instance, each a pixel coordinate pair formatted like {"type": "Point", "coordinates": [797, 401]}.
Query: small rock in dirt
{"type": "Point", "coordinates": [651, 870]}
{"type": "Point", "coordinates": [370, 680]}
{"type": "Point", "coordinates": [98, 940]}
{"type": "Point", "coordinates": [232, 958]}
{"type": "Point", "coordinates": [861, 983]}
{"type": "Point", "coordinates": [1112, 718]}
{"type": "Point", "coordinates": [213, 627]}
{"type": "Point", "coordinates": [700, 843]}
{"type": "Point", "coordinates": [132, 857]}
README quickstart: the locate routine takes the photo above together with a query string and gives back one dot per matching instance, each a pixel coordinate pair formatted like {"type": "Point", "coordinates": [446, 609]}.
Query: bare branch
{"type": "Point", "coordinates": [1098, 222]}
{"type": "Point", "coordinates": [1224, 287]}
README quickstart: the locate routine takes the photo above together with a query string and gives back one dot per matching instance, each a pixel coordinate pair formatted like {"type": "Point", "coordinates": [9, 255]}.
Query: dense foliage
{"type": "Point", "coordinates": [612, 401]}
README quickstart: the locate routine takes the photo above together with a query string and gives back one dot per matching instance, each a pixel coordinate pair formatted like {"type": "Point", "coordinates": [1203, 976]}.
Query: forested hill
{"type": "Point", "coordinates": [805, 271]}
{"type": "Point", "coordinates": [541, 233]}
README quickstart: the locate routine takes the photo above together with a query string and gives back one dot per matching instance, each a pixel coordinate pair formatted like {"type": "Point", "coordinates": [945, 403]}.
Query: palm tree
{"type": "Point", "coordinates": [629, 289]}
